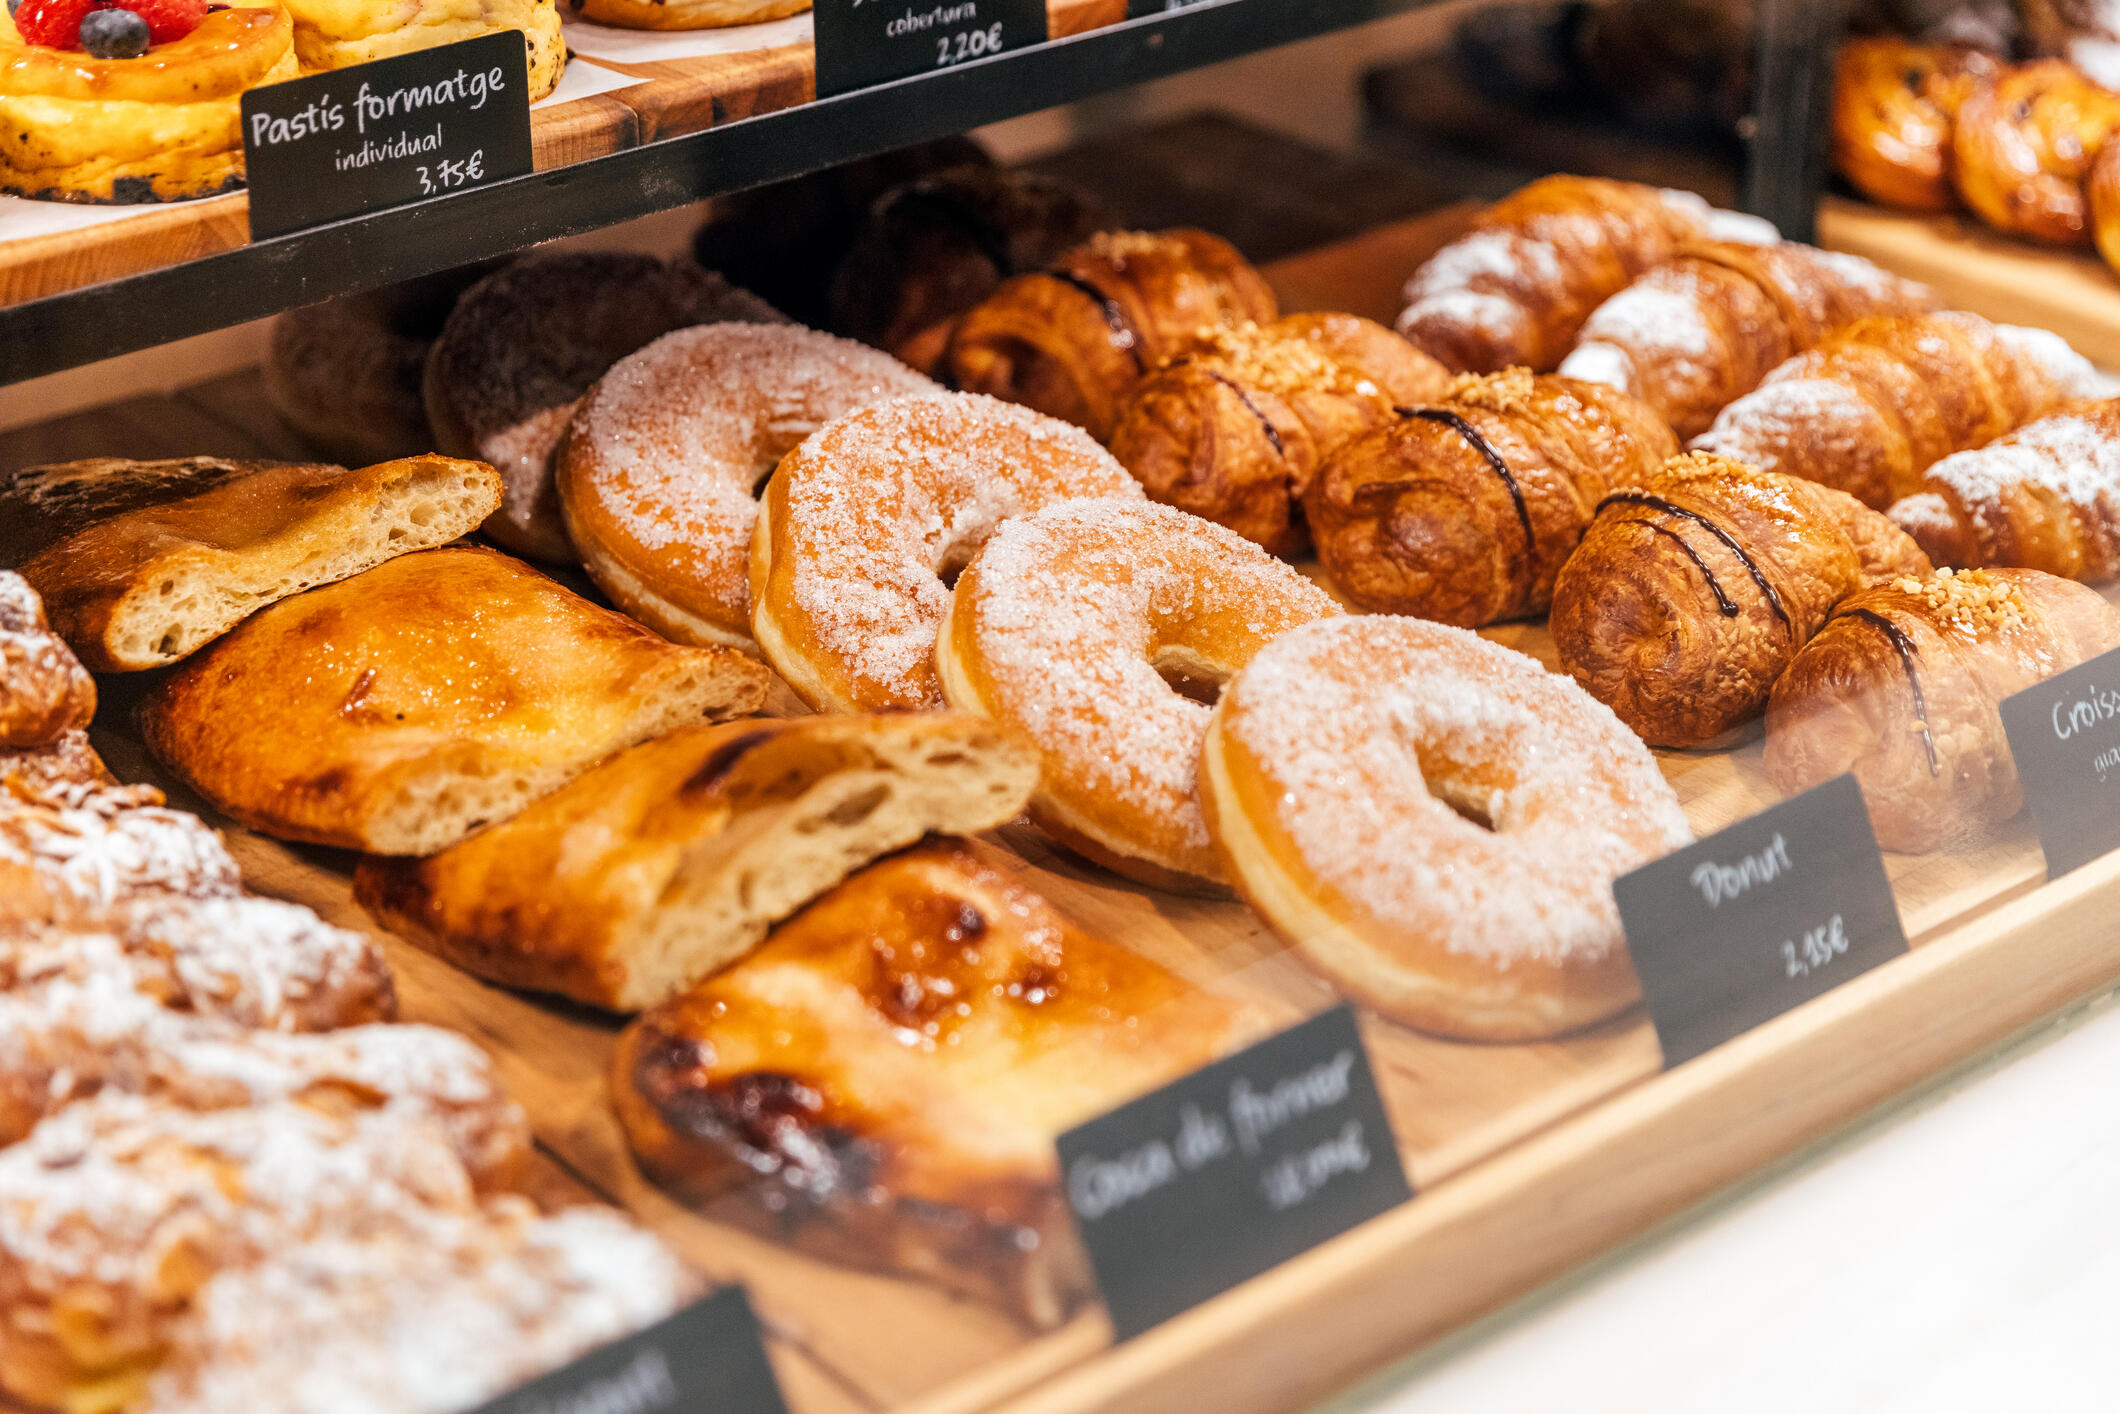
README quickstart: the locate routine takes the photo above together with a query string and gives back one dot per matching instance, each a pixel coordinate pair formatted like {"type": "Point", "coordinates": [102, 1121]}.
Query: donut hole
{"type": "Point", "coordinates": [1189, 674]}
{"type": "Point", "coordinates": [1472, 804]}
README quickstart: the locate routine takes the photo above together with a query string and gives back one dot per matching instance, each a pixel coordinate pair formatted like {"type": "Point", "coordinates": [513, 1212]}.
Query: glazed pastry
{"type": "Point", "coordinates": [659, 473]}
{"type": "Point", "coordinates": [2102, 191]}
{"type": "Point", "coordinates": [523, 345]}
{"type": "Point", "coordinates": [1073, 340]}
{"type": "Point", "coordinates": [345, 374]}
{"type": "Point", "coordinates": [671, 860]}
{"type": "Point", "coordinates": [934, 247]}
{"type": "Point", "coordinates": [1693, 590]}
{"type": "Point", "coordinates": [2045, 497]}
{"type": "Point", "coordinates": [685, 14]}
{"type": "Point", "coordinates": [45, 693]}
{"type": "Point", "coordinates": [338, 34]}
{"type": "Point", "coordinates": [1092, 629]}
{"type": "Point", "coordinates": [1871, 407]}
{"type": "Point", "coordinates": [1903, 687]}
{"type": "Point", "coordinates": [864, 524]}
{"type": "Point", "coordinates": [2022, 146]}
{"type": "Point", "coordinates": [465, 1311]}
{"type": "Point", "coordinates": [116, 1211]}
{"type": "Point", "coordinates": [165, 125]}
{"type": "Point", "coordinates": [401, 709]}
{"type": "Point", "coordinates": [1236, 425]}
{"type": "Point", "coordinates": [142, 563]}
{"type": "Point", "coordinates": [1693, 335]}
{"type": "Point", "coordinates": [1464, 510]}
{"type": "Point", "coordinates": [1894, 104]}
{"type": "Point", "coordinates": [1434, 822]}
{"type": "Point", "coordinates": [1514, 290]}
{"type": "Point", "coordinates": [882, 1082]}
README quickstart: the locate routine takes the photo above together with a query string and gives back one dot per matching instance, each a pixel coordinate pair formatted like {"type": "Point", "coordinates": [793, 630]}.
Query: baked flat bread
{"type": "Point", "coordinates": [671, 860]}
{"type": "Point", "coordinates": [397, 711]}
{"type": "Point", "coordinates": [143, 563]}
{"type": "Point", "coordinates": [882, 1081]}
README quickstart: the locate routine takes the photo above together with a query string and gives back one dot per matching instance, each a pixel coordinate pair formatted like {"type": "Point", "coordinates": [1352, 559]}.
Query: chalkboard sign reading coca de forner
{"type": "Point", "coordinates": [707, 1357]}
{"type": "Point", "coordinates": [862, 43]}
{"type": "Point", "coordinates": [386, 133]}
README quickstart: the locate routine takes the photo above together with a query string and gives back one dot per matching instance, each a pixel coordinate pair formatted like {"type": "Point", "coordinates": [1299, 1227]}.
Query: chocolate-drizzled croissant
{"type": "Point", "coordinates": [1236, 426]}
{"type": "Point", "coordinates": [1903, 687]}
{"type": "Point", "coordinates": [1692, 591]}
{"type": "Point", "coordinates": [1073, 340]}
{"type": "Point", "coordinates": [2044, 497]}
{"type": "Point", "coordinates": [1463, 510]}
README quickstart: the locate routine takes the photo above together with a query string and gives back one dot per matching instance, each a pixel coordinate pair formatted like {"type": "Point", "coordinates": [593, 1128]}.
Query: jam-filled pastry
{"type": "Point", "coordinates": [1073, 340]}
{"type": "Point", "coordinates": [133, 103]}
{"type": "Point", "coordinates": [1903, 687]}
{"type": "Point", "coordinates": [1893, 107]}
{"type": "Point", "coordinates": [2022, 147]}
{"type": "Point", "coordinates": [1235, 426]}
{"type": "Point", "coordinates": [881, 1083]}
{"type": "Point", "coordinates": [1693, 590]}
{"type": "Point", "coordinates": [337, 34]}
{"type": "Point", "coordinates": [1463, 509]}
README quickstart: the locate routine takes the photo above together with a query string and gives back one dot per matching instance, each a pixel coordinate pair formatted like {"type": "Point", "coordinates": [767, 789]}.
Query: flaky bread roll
{"type": "Point", "coordinates": [1513, 291]}
{"type": "Point", "coordinates": [1073, 340]}
{"type": "Point", "coordinates": [1235, 427]}
{"type": "Point", "coordinates": [1692, 591]}
{"type": "Point", "coordinates": [1695, 334]}
{"type": "Point", "coordinates": [1903, 686]}
{"type": "Point", "coordinates": [1463, 510]}
{"type": "Point", "coordinates": [1872, 407]}
{"type": "Point", "coordinates": [2045, 497]}
{"type": "Point", "coordinates": [670, 861]}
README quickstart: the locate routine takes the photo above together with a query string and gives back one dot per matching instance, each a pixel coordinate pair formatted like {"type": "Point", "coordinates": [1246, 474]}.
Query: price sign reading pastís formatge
{"type": "Point", "coordinates": [1214, 1178]}
{"type": "Point", "coordinates": [1762, 916]}
{"type": "Point", "coordinates": [707, 1356]}
{"type": "Point", "coordinates": [861, 43]}
{"type": "Point", "coordinates": [2065, 736]}
{"type": "Point", "coordinates": [386, 133]}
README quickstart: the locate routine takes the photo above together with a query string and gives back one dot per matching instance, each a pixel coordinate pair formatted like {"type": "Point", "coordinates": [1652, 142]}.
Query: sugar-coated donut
{"type": "Point", "coordinates": [687, 14]}
{"type": "Point", "coordinates": [1435, 821]}
{"type": "Point", "coordinates": [863, 525]}
{"type": "Point", "coordinates": [1079, 627]}
{"type": "Point", "coordinates": [523, 345]}
{"type": "Point", "coordinates": [659, 470]}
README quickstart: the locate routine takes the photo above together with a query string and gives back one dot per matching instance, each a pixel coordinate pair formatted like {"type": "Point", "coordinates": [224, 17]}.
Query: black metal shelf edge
{"type": "Point", "coordinates": [264, 277]}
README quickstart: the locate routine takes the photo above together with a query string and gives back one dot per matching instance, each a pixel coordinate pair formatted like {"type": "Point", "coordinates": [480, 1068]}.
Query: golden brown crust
{"type": "Point", "coordinates": [687, 14]}
{"type": "Point", "coordinates": [1691, 592]}
{"type": "Point", "coordinates": [882, 1081]}
{"type": "Point", "coordinates": [671, 860]}
{"type": "Point", "coordinates": [1073, 341]}
{"type": "Point", "coordinates": [338, 34]}
{"type": "Point", "coordinates": [398, 710]}
{"type": "Point", "coordinates": [1903, 686]}
{"type": "Point", "coordinates": [2045, 497]}
{"type": "Point", "coordinates": [1235, 426]}
{"type": "Point", "coordinates": [2102, 192]}
{"type": "Point", "coordinates": [160, 558]}
{"type": "Point", "coordinates": [1871, 407]}
{"type": "Point", "coordinates": [1894, 104]}
{"type": "Point", "coordinates": [45, 693]}
{"type": "Point", "coordinates": [1429, 516]}
{"type": "Point", "coordinates": [2022, 146]}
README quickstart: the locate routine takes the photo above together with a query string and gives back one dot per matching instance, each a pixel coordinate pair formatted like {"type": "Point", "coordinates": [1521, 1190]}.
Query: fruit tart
{"type": "Point", "coordinates": [122, 101]}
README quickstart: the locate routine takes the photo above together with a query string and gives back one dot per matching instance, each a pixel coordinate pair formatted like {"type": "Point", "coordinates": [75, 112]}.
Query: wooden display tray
{"type": "Point", "coordinates": [672, 98]}
{"type": "Point", "coordinates": [2006, 278]}
{"type": "Point", "coordinates": [1529, 1158]}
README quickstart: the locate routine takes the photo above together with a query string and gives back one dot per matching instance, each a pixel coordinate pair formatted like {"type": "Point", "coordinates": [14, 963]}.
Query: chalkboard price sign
{"type": "Point", "coordinates": [862, 43]}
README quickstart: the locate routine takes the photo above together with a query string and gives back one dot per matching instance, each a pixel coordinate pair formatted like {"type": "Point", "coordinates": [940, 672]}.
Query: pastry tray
{"type": "Point", "coordinates": [1527, 1159]}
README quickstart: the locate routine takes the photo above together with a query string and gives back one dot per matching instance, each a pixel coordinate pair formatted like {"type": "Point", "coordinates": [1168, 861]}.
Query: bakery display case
{"type": "Point", "coordinates": [942, 797]}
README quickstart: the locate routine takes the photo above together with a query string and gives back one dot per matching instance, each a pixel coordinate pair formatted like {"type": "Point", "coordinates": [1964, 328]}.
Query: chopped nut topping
{"type": "Point", "coordinates": [1972, 601]}
{"type": "Point", "coordinates": [1120, 246]}
{"type": "Point", "coordinates": [1271, 361]}
{"type": "Point", "coordinates": [1511, 390]}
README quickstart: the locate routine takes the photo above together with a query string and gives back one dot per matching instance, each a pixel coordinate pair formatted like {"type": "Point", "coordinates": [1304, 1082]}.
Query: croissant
{"type": "Point", "coordinates": [938, 245]}
{"type": "Point", "coordinates": [1513, 290]}
{"type": "Point", "coordinates": [1903, 685]}
{"type": "Point", "coordinates": [1693, 590]}
{"type": "Point", "coordinates": [2022, 146]}
{"type": "Point", "coordinates": [1073, 340]}
{"type": "Point", "coordinates": [1869, 409]}
{"type": "Point", "coordinates": [1691, 336]}
{"type": "Point", "coordinates": [1894, 104]}
{"type": "Point", "coordinates": [1464, 510]}
{"type": "Point", "coordinates": [1235, 427]}
{"type": "Point", "coordinates": [2045, 497]}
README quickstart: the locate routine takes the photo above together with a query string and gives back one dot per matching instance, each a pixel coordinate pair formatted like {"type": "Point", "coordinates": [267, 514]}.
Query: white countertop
{"type": "Point", "coordinates": [1959, 1253]}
